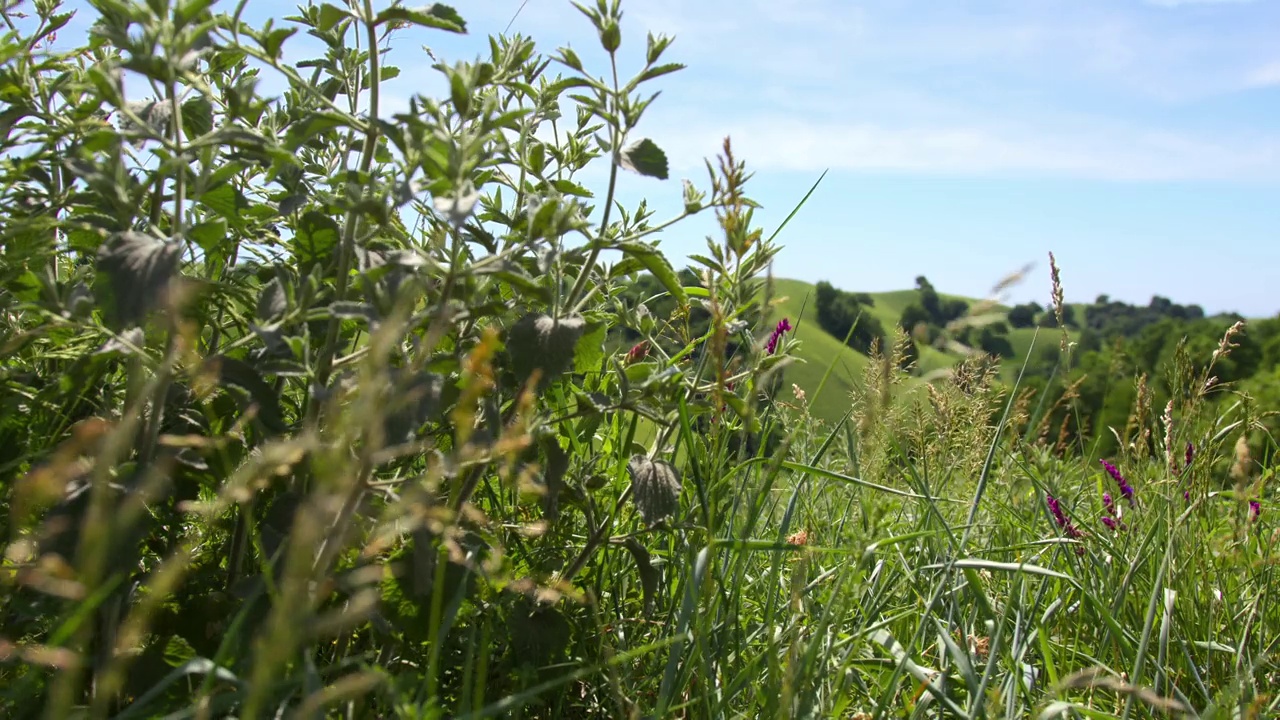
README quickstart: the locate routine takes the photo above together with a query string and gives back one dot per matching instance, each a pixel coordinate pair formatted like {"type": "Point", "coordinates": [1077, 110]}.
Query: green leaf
{"type": "Point", "coordinates": [590, 350]}
{"type": "Point", "coordinates": [274, 41]}
{"type": "Point", "coordinates": [226, 201]}
{"type": "Point", "coordinates": [648, 573]}
{"type": "Point", "coordinates": [657, 71]}
{"type": "Point", "coordinates": [208, 234]}
{"type": "Point", "coordinates": [645, 157]}
{"type": "Point", "coordinates": [197, 116]}
{"type": "Point", "coordinates": [569, 187]}
{"type": "Point", "coordinates": [656, 263]}
{"type": "Point", "coordinates": [310, 126]}
{"type": "Point", "coordinates": [315, 238]}
{"type": "Point", "coordinates": [330, 16]}
{"type": "Point", "coordinates": [135, 269]}
{"type": "Point", "coordinates": [435, 15]}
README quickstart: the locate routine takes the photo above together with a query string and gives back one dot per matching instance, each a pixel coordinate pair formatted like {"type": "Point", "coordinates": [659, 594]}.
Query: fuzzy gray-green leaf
{"type": "Point", "coordinates": [137, 268]}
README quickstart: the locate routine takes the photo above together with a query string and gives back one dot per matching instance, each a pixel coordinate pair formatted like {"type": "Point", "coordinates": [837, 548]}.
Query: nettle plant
{"type": "Point", "coordinates": [296, 390]}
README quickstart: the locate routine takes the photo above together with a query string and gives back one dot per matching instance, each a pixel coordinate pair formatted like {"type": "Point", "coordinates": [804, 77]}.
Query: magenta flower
{"type": "Point", "coordinates": [1125, 488]}
{"type": "Point", "coordinates": [1060, 517]}
{"type": "Point", "coordinates": [1110, 517]}
{"type": "Point", "coordinates": [772, 345]}
{"type": "Point", "coordinates": [1255, 509]}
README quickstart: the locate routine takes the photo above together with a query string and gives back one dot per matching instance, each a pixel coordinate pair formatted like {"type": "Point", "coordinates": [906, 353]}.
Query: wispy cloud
{"type": "Point", "coordinates": [1265, 76]}
{"type": "Point", "coordinates": [1178, 3]}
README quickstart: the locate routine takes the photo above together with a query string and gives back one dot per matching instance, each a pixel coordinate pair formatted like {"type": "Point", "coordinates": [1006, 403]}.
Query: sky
{"type": "Point", "coordinates": [1138, 140]}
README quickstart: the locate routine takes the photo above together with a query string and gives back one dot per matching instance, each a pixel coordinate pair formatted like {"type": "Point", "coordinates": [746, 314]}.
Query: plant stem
{"type": "Point", "coordinates": [615, 137]}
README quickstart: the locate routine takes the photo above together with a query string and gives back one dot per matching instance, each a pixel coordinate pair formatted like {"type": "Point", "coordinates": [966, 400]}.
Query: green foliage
{"type": "Point", "coordinates": [314, 411]}
{"type": "Point", "coordinates": [846, 315]}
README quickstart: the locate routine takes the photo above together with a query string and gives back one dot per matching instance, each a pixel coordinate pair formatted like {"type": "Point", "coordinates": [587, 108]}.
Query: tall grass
{"type": "Point", "coordinates": [310, 412]}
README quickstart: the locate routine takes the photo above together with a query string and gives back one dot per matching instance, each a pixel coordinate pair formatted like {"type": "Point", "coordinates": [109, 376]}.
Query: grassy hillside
{"type": "Point", "coordinates": [819, 350]}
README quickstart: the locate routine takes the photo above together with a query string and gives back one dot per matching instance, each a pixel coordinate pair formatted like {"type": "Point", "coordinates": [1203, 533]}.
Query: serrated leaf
{"type": "Point", "coordinates": [330, 16]}
{"type": "Point", "coordinates": [197, 116]}
{"type": "Point", "coordinates": [655, 488]}
{"type": "Point", "coordinates": [315, 238]}
{"type": "Point", "coordinates": [435, 15]}
{"type": "Point", "coordinates": [644, 157]}
{"type": "Point", "coordinates": [590, 349]}
{"type": "Point", "coordinates": [137, 269]}
{"type": "Point", "coordinates": [226, 201]}
{"type": "Point", "coordinates": [208, 234]}
{"type": "Point", "coordinates": [540, 342]}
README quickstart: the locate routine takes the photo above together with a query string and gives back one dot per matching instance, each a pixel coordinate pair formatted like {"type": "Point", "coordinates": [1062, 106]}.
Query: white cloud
{"type": "Point", "coordinates": [781, 143]}
{"type": "Point", "coordinates": [1265, 76]}
{"type": "Point", "coordinates": [1180, 3]}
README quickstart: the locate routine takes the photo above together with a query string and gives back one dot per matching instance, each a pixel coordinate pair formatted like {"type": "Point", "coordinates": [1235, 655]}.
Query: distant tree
{"type": "Point", "coordinates": [994, 342]}
{"type": "Point", "coordinates": [842, 315]}
{"type": "Point", "coordinates": [1050, 319]}
{"type": "Point", "coordinates": [1024, 316]}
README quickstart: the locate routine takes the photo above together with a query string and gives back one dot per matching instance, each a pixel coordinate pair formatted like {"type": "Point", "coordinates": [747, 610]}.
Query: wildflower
{"type": "Point", "coordinates": [1060, 517]}
{"type": "Point", "coordinates": [1110, 516]}
{"type": "Point", "coordinates": [783, 326]}
{"type": "Point", "coordinates": [1125, 488]}
{"type": "Point", "coordinates": [1255, 509]}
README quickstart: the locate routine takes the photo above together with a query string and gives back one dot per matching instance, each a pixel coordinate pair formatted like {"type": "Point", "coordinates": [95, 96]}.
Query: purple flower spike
{"type": "Point", "coordinates": [1125, 488]}
{"type": "Point", "coordinates": [1191, 450]}
{"type": "Point", "coordinates": [1061, 518]}
{"type": "Point", "coordinates": [1110, 522]}
{"type": "Point", "coordinates": [1255, 509]}
{"type": "Point", "coordinates": [783, 326]}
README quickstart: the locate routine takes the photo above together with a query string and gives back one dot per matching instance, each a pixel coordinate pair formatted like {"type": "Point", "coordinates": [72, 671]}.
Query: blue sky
{"type": "Point", "coordinates": [1139, 140]}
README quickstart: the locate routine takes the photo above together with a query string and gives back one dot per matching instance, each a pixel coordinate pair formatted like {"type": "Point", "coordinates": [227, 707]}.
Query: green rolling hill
{"type": "Point", "coordinates": [819, 350]}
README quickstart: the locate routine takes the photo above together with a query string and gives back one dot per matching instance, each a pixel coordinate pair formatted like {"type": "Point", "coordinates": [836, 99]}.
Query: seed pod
{"type": "Point", "coordinates": [541, 342]}
{"type": "Point", "coordinates": [655, 488]}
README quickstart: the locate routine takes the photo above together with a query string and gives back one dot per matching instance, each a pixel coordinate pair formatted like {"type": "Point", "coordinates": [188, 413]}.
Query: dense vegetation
{"type": "Point", "coordinates": [309, 410]}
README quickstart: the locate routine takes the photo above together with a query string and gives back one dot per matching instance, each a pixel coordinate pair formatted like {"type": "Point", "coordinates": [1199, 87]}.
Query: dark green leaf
{"type": "Point", "coordinates": [315, 238]}
{"type": "Point", "coordinates": [435, 15]}
{"type": "Point", "coordinates": [137, 269]}
{"type": "Point", "coordinates": [648, 573]}
{"type": "Point", "coordinates": [646, 158]}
